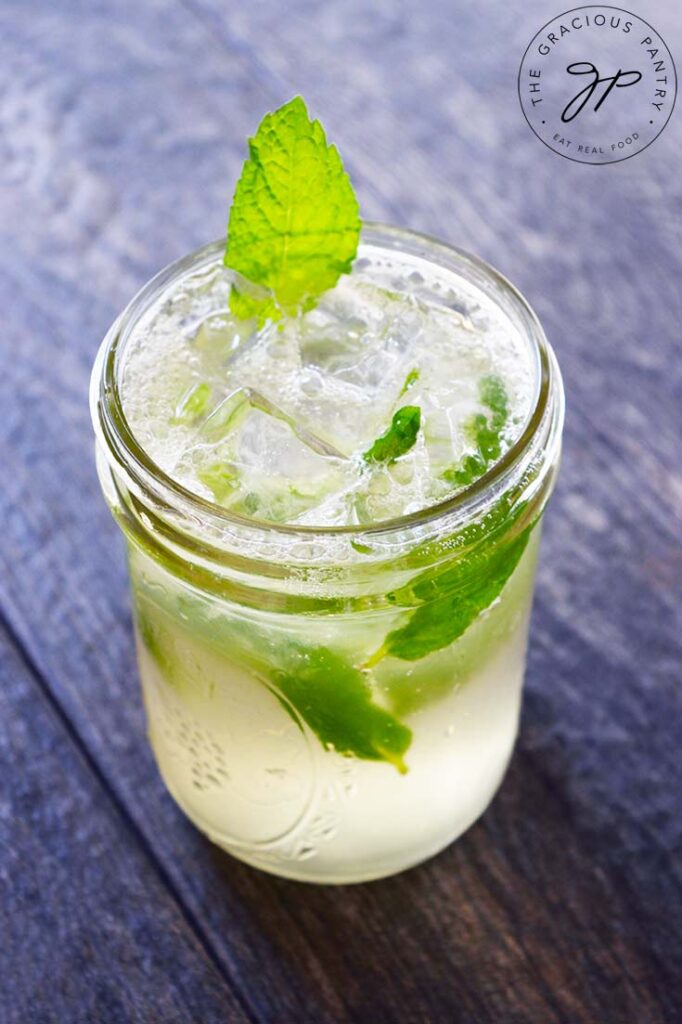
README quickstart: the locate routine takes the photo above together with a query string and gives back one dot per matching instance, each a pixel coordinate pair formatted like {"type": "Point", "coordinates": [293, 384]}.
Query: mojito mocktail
{"type": "Point", "coordinates": [332, 519]}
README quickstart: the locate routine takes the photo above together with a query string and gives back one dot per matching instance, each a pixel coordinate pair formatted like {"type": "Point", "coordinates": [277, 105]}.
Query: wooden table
{"type": "Point", "coordinates": [122, 131]}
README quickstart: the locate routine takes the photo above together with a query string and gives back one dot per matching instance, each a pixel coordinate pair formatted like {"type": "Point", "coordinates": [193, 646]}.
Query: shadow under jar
{"type": "Point", "coordinates": [334, 704]}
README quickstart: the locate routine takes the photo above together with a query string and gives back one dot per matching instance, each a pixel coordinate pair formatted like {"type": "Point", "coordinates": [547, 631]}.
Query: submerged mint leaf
{"type": "Point", "coordinates": [252, 503]}
{"type": "Point", "coordinates": [294, 224]}
{"type": "Point", "coordinates": [410, 381]}
{"type": "Point", "coordinates": [399, 438]}
{"type": "Point", "coordinates": [221, 478]}
{"type": "Point", "coordinates": [484, 432]}
{"type": "Point", "coordinates": [362, 549]}
{"type": "Point", "coordinates": [454, 599]}
{"type": "Point", "coordinates": [193, 404]}
{"type": "Point", "coordinates": [158, 637]}
{"type": "Point", "coordinates": [332, 696]}
{"type": "Point", "coordinates": [335, 700]}
{"type": "Point", "coordinates": [494, 395]}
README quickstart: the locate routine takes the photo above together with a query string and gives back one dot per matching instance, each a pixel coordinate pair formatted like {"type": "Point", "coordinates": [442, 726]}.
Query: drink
{"type": "Point", "coordinates": [331, 636]}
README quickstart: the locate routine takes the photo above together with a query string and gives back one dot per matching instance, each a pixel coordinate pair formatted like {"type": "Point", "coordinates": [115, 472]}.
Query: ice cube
{"type": "Point", "coordinates": [364, 336]}
{"type": "Point", "coordinates": [251, 458]}
{"type": "Point", "coordinates": [356, 351]}
{"type": "Point", "coordinates": [215, 339]}
{"type": "Point", "coordinates": [394, 490]}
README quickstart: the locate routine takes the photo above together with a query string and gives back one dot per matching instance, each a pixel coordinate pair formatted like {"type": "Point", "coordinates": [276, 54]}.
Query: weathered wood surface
{"type": "Point", "coordinates": [90, 930]}
{"type": "Point", "coordinates": [121, 135]}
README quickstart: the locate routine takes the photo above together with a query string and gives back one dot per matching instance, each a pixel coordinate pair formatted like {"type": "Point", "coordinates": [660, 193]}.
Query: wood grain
{"type": "Point", "coordinates": [122, 131]}
{"type": "Point", "coordinates": [89, 929]}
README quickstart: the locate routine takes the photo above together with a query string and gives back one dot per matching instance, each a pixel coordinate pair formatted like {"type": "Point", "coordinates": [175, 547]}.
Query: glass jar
{"type": "Point", "coordinates": [333, 704]}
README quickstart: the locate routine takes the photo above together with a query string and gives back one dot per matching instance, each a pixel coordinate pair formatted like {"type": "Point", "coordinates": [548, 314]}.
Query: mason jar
{"type": "Point", "coordinates": [333, 704]}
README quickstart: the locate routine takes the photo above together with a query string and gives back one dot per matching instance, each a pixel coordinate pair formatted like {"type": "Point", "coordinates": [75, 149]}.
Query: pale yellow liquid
{"type": "Point", "coordinates": [257, 781]}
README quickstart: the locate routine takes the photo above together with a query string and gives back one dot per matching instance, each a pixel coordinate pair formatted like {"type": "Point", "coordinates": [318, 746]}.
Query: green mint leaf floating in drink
{"type": "Point", "coordinates": [194, 404]}
{"type": "Point", "coordinates": [335, 700]}
{"type": "Point", "coordinates": [453, 597]}
{"type": "Point", "coordinates": [442, 620]}
{"type": "Point", "coordinates": [294, 224]}
{"type": "Point", "coordinates": [221, 479]}
{"type": "Point", "coordinates": [410, 381]}
{"type": "Point", "coordinates": [485, 433]}
{"type": "Point", "coordinates": [158, 637]}
{"type": "Point", "coordinates": [332, 696]}
{"type": "Point", "coordinates": [399, 438]}
{"type": "Point", "coordinates": [362, 549]}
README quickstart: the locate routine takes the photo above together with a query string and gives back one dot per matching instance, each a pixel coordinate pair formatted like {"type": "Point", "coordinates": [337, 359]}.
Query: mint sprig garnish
{"type": "Point", "coordinates": [294, 224]}
{"type": "Point", "coordinates": [398, 438]}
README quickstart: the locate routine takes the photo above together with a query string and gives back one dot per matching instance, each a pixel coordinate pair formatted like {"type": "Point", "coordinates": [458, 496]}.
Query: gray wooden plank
{"type": "Point", "coordinates": [560, 905]}
{"type": "Point", "coordinates": [89, 930]}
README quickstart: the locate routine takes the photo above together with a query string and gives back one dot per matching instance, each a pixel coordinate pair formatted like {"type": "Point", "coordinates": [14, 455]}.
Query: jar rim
{"type": "Point", "coordinates": [112, 427]}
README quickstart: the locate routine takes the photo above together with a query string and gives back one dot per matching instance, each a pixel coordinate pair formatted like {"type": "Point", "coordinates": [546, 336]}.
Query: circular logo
{"type": "Point", "coordinates": [597, 84]}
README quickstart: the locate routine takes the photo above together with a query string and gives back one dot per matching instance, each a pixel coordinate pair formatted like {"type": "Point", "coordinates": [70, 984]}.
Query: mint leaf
{"type": "Point", "coordinates": [336, 701]}
{"type": "Point", "coordinates": [332, 696]}
{"type": "Point", "coordinates": [194, 404]}
{"type": "Point", "coordinates": [410, 381]}
{"type": "Point", "coordinates": [454, 595]}
{"type": "Point", "coordinates": [221, 478]}
{"type": "Point", "coordinates": [454, 599]}
{"type": "Point", "coordinates": [399, 438]}
{"type": "Point", "coordinates": [294, 223]}
{"type": "Point", "coordinates": [158, 637]}
{"type": "Point", "coordinates": [494, 395]}
{"type": "Point", "coordinates": [485, 433]}
{"type": "Point", "coordinates": [362, 549]}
